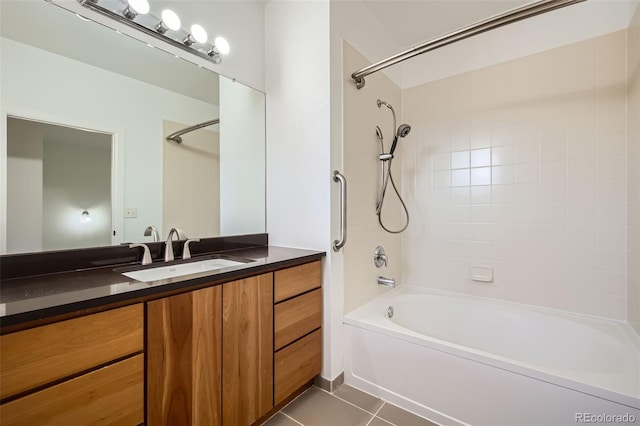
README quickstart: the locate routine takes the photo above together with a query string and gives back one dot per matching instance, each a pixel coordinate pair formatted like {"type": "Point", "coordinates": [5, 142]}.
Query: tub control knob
{"type": "Point", "coordinates": [379, 257]}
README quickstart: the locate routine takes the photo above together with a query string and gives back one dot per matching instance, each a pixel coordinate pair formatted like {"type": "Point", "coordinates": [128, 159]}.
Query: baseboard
{"type": "Point", "coordinates": [329, 385]}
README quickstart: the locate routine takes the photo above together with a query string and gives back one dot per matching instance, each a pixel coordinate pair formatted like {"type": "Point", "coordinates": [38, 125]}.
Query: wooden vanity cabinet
{"type": "Point", "coordinates": [86, 370]}
{"type": "Point", "coordinates": [184, 358]}
{"type": "Point", "coordinates": [210, 355]}
{"type": "Point", "coordinates": [222, 355]}
{"type": "Point", "coordinates": [247, 342]}
{"type": "Point", "coordinates": [229, 354]}
{"type": "Point", "coordinates": [297, 332]}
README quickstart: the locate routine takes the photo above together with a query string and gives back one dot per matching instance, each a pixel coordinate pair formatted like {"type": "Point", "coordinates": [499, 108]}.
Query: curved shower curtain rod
{"type": "Point", "coordinates": [175, 136]}
{"type": "Point", "coordinates": [509, 17]}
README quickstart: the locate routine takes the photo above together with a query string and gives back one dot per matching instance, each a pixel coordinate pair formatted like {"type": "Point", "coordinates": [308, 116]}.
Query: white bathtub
{"type": "Point", "coordinates": [458, 359]}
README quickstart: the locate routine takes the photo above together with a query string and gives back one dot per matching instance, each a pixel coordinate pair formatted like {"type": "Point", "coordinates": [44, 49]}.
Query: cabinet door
{"type": "Point", "coordinates": [183, 359]}
{"type": "Point", "coordinates": [247, 339]}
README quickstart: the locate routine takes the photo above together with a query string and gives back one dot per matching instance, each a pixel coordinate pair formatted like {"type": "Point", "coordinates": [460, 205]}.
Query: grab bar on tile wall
{"type": "Point", "coordinates": [338, 177]}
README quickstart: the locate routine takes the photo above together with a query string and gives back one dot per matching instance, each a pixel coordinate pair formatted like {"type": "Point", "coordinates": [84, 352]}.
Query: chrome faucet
{"type": "Point", "coordinates": [186, 253]}
{"type": "Point", "coordinates": [168, 247]}
{"type": "Point", "coordinates": [390, 282]}
{"type": "Point", "coordinates": [146, 257]}
{"type": "Point", "coordinates": [152, 231]}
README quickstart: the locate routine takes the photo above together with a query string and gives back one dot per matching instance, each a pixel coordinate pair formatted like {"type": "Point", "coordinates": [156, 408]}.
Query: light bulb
{"type": "Point", "coordinates": [135, 7]}
{"type": "Point", "coordinates": [84, 218]}
{"type": "Point", "coordinates": [222, 45]}
{"type": "Point", "coordinates": [139, 6]}
{"type": "Point", "coordinates": [171, 20]}
{"type": "Point", "coordinates": [198, 33]}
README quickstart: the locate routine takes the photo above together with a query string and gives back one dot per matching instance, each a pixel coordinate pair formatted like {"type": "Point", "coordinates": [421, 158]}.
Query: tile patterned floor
{"type": "Point", "coordinates": [344, 407]}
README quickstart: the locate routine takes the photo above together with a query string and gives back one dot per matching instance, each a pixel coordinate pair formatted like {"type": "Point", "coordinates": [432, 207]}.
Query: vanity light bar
{"type": "Point", "coordinates": [163, 29]}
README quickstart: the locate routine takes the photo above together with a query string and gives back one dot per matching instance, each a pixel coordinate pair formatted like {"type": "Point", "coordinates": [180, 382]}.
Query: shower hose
{"type": "Point", "coordinates": [386, 179]}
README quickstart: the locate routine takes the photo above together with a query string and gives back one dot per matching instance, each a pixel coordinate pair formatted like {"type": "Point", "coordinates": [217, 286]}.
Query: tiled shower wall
{"type": "Point", "coordinates": [521, 167]}
{"type": "Point", "coordinates": [633, 167]}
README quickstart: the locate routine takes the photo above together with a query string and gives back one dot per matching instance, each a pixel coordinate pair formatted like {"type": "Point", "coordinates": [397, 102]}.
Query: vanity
{"type": "Point", "coordinates": [88, 334]}
{"type": "Point", "coordinates": [222, 347]}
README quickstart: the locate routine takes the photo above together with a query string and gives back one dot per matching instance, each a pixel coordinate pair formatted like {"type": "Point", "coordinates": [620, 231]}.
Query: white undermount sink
{"type": "Point", "coordinates": [172, 271]}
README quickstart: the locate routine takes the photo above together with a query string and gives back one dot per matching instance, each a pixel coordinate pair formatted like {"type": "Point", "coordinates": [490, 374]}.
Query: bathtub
{"type": "Point", "coordinates": [458, 359]}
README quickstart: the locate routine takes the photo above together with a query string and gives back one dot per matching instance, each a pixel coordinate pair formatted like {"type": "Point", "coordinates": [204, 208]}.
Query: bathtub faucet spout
{"type": "Point", "coordinates": [387, 281]}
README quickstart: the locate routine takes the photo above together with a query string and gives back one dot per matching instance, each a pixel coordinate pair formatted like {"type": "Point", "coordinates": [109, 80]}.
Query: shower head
{"type": "Point", "coordinates": [379, 133]}
{"type": "Point", "coordinates": [380, 103]}
{"type": "Point", "coordinates": [403, 131]}
{"type": "Point", "coordinates": [388, 105]}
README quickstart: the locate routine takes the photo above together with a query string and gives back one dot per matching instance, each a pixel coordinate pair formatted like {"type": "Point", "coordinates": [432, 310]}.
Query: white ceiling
{"type": "Point", "coordinates": [412, 22]}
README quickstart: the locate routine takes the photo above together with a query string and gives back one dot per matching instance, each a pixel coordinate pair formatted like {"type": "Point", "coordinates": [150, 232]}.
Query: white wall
{"type": "Point", "coordinates": [242, 155]}
{"type": "Point", "coordinates": [298, 146]}
{"type": "Point", "coordinates": [33, 83]}
{"type": "Point", "coordinates": [76, 177]}
{"type": "Point", "coordinates": [53, 174]}
{"type": "Point", "coordinates": [24, 201]}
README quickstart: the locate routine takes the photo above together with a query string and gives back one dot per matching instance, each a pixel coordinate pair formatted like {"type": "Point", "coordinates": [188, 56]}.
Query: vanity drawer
{"type": "Point", "coordinates": [112, 395]}
{"type": "Point", "coordinates": [41, 355]}
{"type": "Point", "coordinates": [297, 317]}
{"type": "Point", "coordinates": [299, 279]}
{"type": "Point", "coordinates": [296, 365]}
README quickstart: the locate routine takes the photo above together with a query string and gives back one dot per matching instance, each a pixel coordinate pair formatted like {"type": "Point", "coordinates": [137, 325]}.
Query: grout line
{"type": "Point", "coordinates": [375, 415]}
{"type": "Point", "coordinates": [350, 403]}
{"type": "Point", "coordinates": [286, 405]}
{"type": "Point", "coordinates": [370, 420]}
{"type": "Point", "coordinates": [386, 421]}
{"type": "Point", "coordinates": [380, 409]}
{"type": "Point", "coordinates": [288, 416]}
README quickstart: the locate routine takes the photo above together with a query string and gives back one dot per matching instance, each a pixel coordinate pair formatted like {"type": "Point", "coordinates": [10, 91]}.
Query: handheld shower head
{"type": "Point", "coordinates": [379, 133]}
{"type": "Point", "coordinates": [403, 131]}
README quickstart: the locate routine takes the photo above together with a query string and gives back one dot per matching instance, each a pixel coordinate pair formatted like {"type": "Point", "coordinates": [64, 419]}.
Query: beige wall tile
{"type": "Point", "coordinates": [545, 138]}
{"type": "Point", "coordinates": [362, 170]}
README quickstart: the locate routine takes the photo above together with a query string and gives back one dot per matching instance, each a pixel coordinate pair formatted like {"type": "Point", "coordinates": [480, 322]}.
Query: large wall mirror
{"type": "Point", "coordinates": [85, 160]}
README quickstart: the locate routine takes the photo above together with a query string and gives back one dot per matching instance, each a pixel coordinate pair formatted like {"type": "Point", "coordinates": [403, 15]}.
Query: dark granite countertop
{"type": "Point", "coordinates": [37, 298]}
